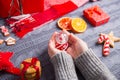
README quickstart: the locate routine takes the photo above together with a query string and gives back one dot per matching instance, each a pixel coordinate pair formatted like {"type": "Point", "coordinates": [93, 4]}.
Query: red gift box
{"type": "Point", "coordinates": [12, 7]}
{"type": "Point", "coordinates": [46, 4]}
{"type": "Point", "coordinates": [96, 16]}
{"type": "Point", "coordinates": [42, 17]}
{"type": "Point", "coordinates": [16, 7]}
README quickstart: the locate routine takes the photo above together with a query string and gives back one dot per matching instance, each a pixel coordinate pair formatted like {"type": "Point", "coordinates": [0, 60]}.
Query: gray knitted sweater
{"type": "Point", "coordinates": [88, 63]}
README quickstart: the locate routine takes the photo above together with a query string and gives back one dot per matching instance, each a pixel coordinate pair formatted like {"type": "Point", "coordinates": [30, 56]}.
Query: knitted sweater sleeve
{"type": "Point", "coordinates": [92, 68]}
{"type": "Point", "coordinates": [64, 66]}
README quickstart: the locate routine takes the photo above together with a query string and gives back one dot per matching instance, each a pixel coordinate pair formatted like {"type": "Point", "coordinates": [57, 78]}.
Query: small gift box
{"type": "Point", "coordinates": [30, 69]}
{"type": "Point", "coordinates": [16, 7]}
{"type": "Point", "coordinates": [96, 16]}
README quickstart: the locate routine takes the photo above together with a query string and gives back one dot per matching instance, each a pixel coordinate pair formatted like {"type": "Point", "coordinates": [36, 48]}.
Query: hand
{"type": "Point", "coordinates": [76, 46]}
{"type": "Point", "coordinates": [51, 46]}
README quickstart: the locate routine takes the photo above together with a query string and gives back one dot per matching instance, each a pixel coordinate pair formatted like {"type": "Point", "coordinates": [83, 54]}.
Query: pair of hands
{"type": "Point", "coordinates": [75, 48]}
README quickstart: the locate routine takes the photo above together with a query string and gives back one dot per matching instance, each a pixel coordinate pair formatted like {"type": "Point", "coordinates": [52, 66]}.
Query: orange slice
{"type": "Point", "coordinates": [78, 25]}
{"type": "Point", "coordinates": [64, 23]}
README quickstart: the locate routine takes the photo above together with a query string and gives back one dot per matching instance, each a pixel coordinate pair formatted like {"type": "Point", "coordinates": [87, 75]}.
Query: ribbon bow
{"type": "Point", "coordinates": [28, 64]}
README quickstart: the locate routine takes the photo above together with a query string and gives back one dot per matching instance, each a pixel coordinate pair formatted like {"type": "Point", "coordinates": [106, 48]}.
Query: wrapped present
{"type": "Point", "coordinates": [46, 14]}
{"type": "Point", "coordinates": [96, 16]}
{"type": "Point", "coordinates": [61, 41]}
{"type": "Point", "coordinates": [46, 4]}
{"type": "Point", "coordinates": [17, 7]}
{"type": "Point", "coordinates": [30, 69]}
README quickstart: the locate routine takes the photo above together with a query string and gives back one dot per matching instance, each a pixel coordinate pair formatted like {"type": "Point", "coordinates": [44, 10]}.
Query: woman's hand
{"type": "Point", "coordinates": [52, 50]}
{"type": "Point", "coordinates": [76, 45]}
{"type": "Point", "coordinates": [75, 48]}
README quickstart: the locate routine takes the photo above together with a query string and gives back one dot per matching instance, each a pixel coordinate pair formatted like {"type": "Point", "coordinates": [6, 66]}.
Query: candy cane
{"type": "Point", "coordinates": [106, 48]}
{"type": "Point", "coordinates": [105, 39]}
{"type": "Point", "coordinates": [102, 38]}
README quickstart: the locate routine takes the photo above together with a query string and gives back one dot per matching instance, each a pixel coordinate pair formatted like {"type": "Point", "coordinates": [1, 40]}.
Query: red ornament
{"type": "Point", "coordinates": [6, 65]}
{"type": "Point", "coordinates": [96, 15]}
{"type": "Point", "coordinates": [61, 41]}
{"type": "Point", "coordinates": [62, 46]}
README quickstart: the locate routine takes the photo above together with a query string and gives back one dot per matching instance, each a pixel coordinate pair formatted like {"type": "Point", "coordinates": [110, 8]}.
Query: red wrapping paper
{"type": "Point", "coordinates": [31, 6]}
{"type": "Point", "coordinates": [96, 15]}
{"type": "Point", "coordinates": [29, 64]}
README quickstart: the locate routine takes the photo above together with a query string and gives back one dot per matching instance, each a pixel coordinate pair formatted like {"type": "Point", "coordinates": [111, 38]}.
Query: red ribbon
{"type": "Point", "coordinates": [27, 65]}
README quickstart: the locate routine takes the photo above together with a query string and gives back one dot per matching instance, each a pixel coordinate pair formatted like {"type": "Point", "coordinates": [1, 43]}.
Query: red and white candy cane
{"type": "Point", "coordinates": [102, 38]}
{"type": "Point", "coordinates": [106, 48]}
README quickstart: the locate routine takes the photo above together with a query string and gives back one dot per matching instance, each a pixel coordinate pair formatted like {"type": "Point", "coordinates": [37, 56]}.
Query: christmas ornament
{"type": "Point", "coordinates": [61, 41]}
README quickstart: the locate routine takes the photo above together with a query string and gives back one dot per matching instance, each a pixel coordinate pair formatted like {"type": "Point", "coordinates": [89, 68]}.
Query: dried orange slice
{"type": "Point", "coordinates": [64, 23]}
{"type": "Point", "coordinates": [78, 25]}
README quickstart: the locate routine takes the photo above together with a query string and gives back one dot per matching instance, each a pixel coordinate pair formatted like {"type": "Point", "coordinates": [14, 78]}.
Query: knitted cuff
{"type": "Point", "coordinates": [64, 67]}
{"type": "Point", "coordinates": [92, 67]}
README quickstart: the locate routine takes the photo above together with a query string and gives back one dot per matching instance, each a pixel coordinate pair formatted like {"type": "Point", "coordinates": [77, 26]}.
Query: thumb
{"type": "Point", "coordinates": [72, 38]}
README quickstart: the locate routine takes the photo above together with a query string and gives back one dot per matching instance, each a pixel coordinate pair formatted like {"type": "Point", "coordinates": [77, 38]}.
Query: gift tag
{"type": "Point", "coordinates": [61, 41]}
